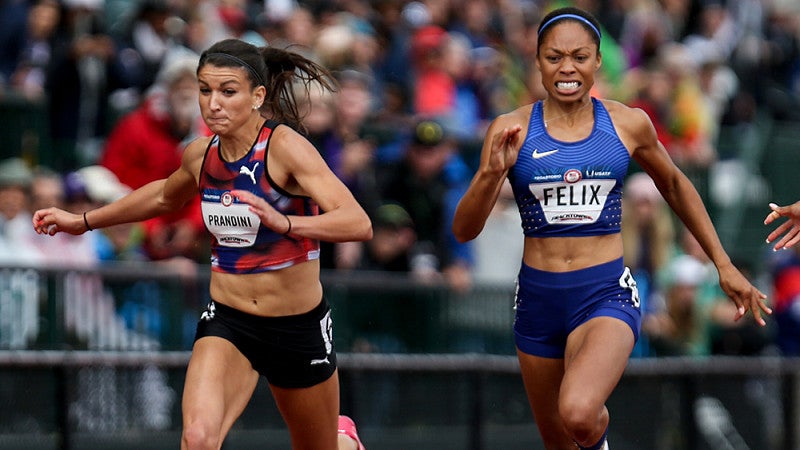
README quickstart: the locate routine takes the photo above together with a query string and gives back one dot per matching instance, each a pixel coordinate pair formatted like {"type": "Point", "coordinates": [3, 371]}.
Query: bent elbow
{"type": "Point", "coordinates": [462, 235]}
{"type": "Point", "coordinates": [463, 239]}
{"type": "Point", "coordinates": [365, 230]}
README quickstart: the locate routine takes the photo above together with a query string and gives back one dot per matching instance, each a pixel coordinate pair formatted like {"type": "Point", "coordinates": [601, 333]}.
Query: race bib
{"type": "Point", "coordinates": [565, 203]}
{"type": "Point", "coordinates": [231, 223]}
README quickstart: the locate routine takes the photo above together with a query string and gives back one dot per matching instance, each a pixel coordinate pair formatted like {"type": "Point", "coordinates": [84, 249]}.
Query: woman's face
{"type": "Point", "coordinates": [568, 59]}
{"type": "Point", "coordinates": [227, 99]}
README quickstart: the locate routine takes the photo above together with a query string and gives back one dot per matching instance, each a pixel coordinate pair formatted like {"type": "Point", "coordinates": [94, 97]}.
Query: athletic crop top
{"type": "Point", "coordinates": [570, 188]}
{"type": "Point", "coordinates": [239, 242]}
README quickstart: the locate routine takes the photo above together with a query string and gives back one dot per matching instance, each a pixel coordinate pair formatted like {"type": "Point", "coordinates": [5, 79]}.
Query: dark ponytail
{"type": "Point", "coordinates": [278, 70]}
{"type": "Point", "coordinates": [283, 69]}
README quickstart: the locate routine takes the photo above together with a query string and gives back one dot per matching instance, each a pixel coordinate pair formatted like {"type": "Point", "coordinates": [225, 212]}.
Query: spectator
{"type": "Point", "coordinates": [785, 273]}
{"type": "Point", "coordinates": [466, 118]}
{"type": "Point", "coordinates": [651, 90]}
{"type": "Point", "coordinates": [36, 52]}
{"type": "Point", "coordinates": [498, 249]}
{"type": "Point", "coordinates": [16, 243]}
{"type": "Point", "coordinates": [88, 188]}
{"type": "Point", "coordinates": [428, 183]}
{"type": "Point", "coordinates": [648, 233]}
{"type": "Point", "coordinates": [393, 240]}
{"type": "Point", "coordinates": [84, 72]}
{"type": "Point", "coordinates": [295, 25]}
{"type": "Point", "coordinates": [648, 239]}
{"type": "Point", "coordinates": [91, 187]}
{"type": "Point", "coordinates": [147, 144]}
{"type": "Point", "coordinates": [13, 16]}
{"type": "Point", "coordinates": [338, 130]}
{"type": "Point", "coordinates": [19, 300]}
{"type": "Point", "coordinates": [146, 42]}
{"type": "Point", "coordinates": [49, 187]}
{"type": "Point", "coordinates": [678, 327]}
{"type": "Point", "coordinates": [433, 87]}
{"type": "Point", "coordinates": [710, 326]}
{"type": "Point", "coordinates": [645, 29]}
{"type": "Point", "coordinates": [689, 116]}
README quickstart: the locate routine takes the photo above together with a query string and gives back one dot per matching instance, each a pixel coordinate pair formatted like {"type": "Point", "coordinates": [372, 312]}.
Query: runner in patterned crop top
{"type": "Point", "coordinates": [262, 185]}
{"type": "Point", "coordinates": [577, 306]}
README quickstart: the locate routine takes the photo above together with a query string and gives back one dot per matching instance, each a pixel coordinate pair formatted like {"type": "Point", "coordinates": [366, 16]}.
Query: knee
{"type": "Point", "coordinates": [199, 436]}
{"type": "Point", "coordinates": [582, 419]}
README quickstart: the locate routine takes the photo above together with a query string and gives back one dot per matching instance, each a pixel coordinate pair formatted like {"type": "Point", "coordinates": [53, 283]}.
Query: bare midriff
{"type": "Point", "coordinates": [293, 290]}
{"type": "Point", "coordinates": [564, 254]}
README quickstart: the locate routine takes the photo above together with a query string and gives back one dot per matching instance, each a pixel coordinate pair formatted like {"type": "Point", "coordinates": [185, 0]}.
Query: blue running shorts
{"type": "Point", "coordinates": [550, 305]}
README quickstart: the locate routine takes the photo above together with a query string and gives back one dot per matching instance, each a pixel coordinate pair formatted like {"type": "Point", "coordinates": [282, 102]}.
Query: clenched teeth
{"type": "Point", "coordinates": [567, 85]}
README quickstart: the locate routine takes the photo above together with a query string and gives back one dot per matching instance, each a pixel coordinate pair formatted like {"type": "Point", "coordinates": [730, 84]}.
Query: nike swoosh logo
{"type": "Point", "coordinates": [537, 154]}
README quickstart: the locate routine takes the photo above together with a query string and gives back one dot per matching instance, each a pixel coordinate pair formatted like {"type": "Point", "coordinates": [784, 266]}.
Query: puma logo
{"type": "Point", "coordinates": [209, 313]}
{"type": "Point", "coordinates": [316, 362]}
{"type": "Point", "coordinates": [537, 154]}
{"type": "Point", "coordinates": [250, 173]}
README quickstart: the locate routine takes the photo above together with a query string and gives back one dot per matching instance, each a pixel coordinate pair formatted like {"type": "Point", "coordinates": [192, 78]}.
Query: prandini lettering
{"type": "Point", "coordinates": [231, 223]}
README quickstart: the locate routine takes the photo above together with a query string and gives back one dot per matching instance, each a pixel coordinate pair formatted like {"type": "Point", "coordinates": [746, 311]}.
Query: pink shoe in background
{"type": "Point", "coordinates": [348, 428]}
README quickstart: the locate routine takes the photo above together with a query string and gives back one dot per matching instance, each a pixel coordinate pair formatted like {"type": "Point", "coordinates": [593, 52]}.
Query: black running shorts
{"type": "Point", "coordinates": [290, 351]}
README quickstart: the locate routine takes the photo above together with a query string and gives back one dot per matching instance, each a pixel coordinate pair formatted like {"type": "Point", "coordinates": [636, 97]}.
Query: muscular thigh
{"type": "Point", "coordinates": [311, 413]}
{"type": "Point", "coordinates": [596, 356]}
{"type": "Point", "coordinates": [542, 378]}
{"type": "Point", "coordinates": [219, 383]}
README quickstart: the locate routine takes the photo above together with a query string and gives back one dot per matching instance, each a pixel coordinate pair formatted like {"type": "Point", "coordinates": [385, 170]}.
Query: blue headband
{"type": "Point", "coordinates": [569, 16]}
{"type": "Point", "coordinates": [244, 64]}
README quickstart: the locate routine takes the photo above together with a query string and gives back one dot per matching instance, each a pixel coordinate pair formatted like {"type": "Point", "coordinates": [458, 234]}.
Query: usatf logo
{"type": "Point", "coordinates": [227, 199]}
{"type": "Point", "coordinates": [572, 176]}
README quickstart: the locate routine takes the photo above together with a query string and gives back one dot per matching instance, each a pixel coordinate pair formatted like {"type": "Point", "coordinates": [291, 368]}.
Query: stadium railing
{"type": "Point", "coordinates": [94, 359]}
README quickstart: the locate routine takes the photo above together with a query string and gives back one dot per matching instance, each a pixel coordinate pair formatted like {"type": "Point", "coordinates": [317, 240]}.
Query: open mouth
{"type": "Point", "coordinates": [567, 85]}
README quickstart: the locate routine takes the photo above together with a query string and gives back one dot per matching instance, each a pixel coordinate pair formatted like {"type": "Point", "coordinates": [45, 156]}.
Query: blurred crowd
{"type": "Point", "coordinates": [419, 81]}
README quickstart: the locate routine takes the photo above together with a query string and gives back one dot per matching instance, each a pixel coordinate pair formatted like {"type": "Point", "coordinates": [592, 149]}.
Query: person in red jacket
{"type": "Point", "coordinates": [147, 145]}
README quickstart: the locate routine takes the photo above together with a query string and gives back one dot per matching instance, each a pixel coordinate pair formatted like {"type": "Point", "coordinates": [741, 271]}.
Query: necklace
{"type": "Point", "coordinates": [563, 115]}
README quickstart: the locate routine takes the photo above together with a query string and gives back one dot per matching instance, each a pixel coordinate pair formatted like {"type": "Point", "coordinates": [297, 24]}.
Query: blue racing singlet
{"type": "Point", "coordinates": [570, 188]}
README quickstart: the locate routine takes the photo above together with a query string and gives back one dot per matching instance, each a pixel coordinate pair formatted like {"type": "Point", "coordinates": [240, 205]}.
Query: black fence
{"type": "Point", "coordinates": [95, 359]}
{"type": "Point", "coordinates": [100, 400]}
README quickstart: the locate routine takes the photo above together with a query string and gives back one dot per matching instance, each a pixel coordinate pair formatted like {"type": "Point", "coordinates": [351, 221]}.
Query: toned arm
{"type": "Point", "coordinates": [499, 153]}
{"type": "Point", "coordinates": [298, 167]}
{"type": "Point", "coordinates": [637, 132]}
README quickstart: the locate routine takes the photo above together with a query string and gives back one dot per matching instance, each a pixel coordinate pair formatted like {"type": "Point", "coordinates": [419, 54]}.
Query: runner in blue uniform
{"type": "Point", "coordinates": [263, 186]}
{"type": "Point", "coordinates": [577, 307]}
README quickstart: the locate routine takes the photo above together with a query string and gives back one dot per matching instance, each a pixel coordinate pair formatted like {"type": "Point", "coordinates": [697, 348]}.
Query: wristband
{"type": "Point", "coordinates": [289, 230]}
{"type": "Point", "coordinates": [88, 228]}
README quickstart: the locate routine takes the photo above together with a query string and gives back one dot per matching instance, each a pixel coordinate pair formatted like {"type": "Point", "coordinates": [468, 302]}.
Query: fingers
{"type": "Point", "coordinates": [248, 197]}
{"type": "Point", "coordinates": [758, 310]}
{"type": "Point", "coordinates": [42, 224]}
{"type": "Point", "coordinates": [771, 217]}
{"type": "Point", "coordinates": [499, 138]}
{"type": "Point", "coordinates": [788, 233]}
{"type": "Point", "coordinates": [757, 305]}
{"type": "Point", "coordinates": [795, 237]}
{"type": "Point", "coordinates": [242, 195]}
{"type": "Point", "coordinates": [507, 136]}
{"type": "Point", "coordinates": [511, 134]}
{"type": "Point", "coordinates": [781, 229]}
